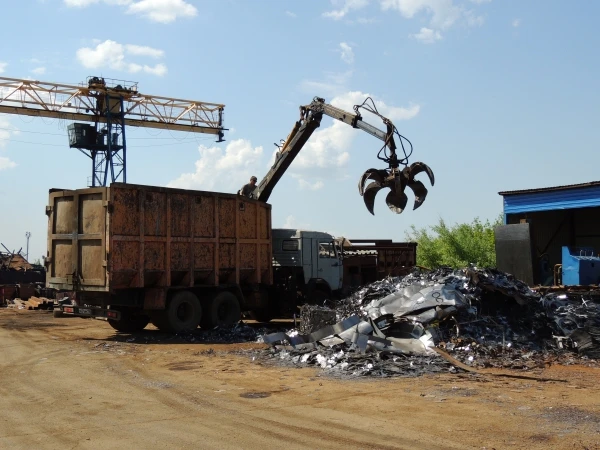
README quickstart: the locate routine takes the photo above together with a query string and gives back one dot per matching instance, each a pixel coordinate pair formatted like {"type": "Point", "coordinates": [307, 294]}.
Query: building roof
{"type": "Point", "coordinates": [552, 188]}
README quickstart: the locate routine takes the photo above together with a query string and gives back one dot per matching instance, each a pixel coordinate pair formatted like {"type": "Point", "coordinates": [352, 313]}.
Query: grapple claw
{"type": "Point", "coordinates": [369, 195]}
{"type": "Point", "coordinates": [396, 201]}
{"type": "Point", "coordinates": [373, 174]}
{"type": "Point", "coordinates": [420, 192]}
{"type": "Point", "coordinates": [418, 167]}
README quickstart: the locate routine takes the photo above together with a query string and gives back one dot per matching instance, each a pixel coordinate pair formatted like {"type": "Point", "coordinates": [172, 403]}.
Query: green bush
{"type": "Point", "coordinates": [456, 246]}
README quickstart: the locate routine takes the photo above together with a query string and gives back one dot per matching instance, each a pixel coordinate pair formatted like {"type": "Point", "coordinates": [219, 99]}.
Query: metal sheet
{"type": "Point", "coordinates": [514, 252]}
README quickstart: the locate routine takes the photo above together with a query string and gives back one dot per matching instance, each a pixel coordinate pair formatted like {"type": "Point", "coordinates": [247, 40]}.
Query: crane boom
{"type": "Point", "coordinates": [394, 178]}
{"type": "Point", "coordinates": [63, 101]}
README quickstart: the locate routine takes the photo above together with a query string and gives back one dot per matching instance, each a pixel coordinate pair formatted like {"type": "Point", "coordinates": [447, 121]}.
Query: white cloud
{"type": "Point", "coordinates": [39, 70]}
{"type": "Point", "coordinates": [158, 70]}
{"type": "Point", "coordinates": [3, 66]}
{"type": "Point", "coordinates": [516, 23]}
{"type": "Point", "coordinates": [6, 163]}
{"type": "Point", "coordinates": [80, 3]}
{"type": "Point", "coordinates": [327, 148]}
{"type": "Point", "coordinates": [113, 55]}
{"type": "Point", "coordinates": [473, 20]}
{"type": "Point", "coordinates": [162, 11]}
{"type": "Point", "coordinates": [427, 35]}
{"type": "Point", "coordinates": [443, 15]}
{"type": "Point", "coordinates": [292, 222]}
{"type": "Point", "coordinates": [444, 12]}
{"type": "Point", "coordinates": [7, 130]}
{"type": "Point", "coordinates": [308, 185]}
{"type": "Point", "coordinates": [345, 6]}
{"type": "Point", "coordinates": [334, 84]}
{"type": "Point", "coordinates": [347, 53]}
{"type": "Point", "coordinates": [394, 113]}
{"type": "Point", "coordinates": [142, 50]}
{"type": "Point", "coordinates": [226, 171]}
{"type": "Point", "coordinates": [291, 14]}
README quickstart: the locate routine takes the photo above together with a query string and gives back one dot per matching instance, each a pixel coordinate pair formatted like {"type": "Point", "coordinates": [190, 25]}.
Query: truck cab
{"type": "Point", "coordinates": [308, 264]}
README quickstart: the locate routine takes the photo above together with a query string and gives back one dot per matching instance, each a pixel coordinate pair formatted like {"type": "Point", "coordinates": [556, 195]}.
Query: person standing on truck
{"type": "Point", "coordinates": [248, 189]}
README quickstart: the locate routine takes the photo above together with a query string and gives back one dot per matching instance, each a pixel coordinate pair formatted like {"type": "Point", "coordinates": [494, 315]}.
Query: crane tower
{"type": "Point", "coordinates": [107, 106]}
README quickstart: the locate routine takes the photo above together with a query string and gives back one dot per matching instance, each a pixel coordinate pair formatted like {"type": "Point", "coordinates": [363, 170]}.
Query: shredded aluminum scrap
{"type": "Point", "coordinates": [482, 318]}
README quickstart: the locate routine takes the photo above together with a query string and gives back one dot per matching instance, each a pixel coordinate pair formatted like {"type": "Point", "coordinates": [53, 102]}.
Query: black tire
{"type": "Point", "coordinates": [183, 314]}
{"type": "Point", "coordinates": [56, 313]}
{"type": "Point", "coordinates": [262, 315]}
{"type": "Point", "coordinates": [130, 322]}
{"type": "Point", "coordinates": [223, 310]}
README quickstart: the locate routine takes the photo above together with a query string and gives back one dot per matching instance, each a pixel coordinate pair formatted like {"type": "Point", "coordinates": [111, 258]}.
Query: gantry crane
{"type": "Point", "coordinates": [109, 105]}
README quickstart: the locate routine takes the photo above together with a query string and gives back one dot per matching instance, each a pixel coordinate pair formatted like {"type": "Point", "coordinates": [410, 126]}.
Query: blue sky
{"type": "Point", "coordinates": [494, 95]}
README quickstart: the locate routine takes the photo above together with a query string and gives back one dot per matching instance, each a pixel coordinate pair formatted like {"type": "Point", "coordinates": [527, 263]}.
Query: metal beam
{"type": "Point", "coordinates": [79, 103]}
{"type": "Point", "coordinates": [93, 118]}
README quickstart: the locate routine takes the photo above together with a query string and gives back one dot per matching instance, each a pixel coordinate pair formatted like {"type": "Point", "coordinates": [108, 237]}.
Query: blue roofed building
{"type": "Point", "coordinates": [538, 223]}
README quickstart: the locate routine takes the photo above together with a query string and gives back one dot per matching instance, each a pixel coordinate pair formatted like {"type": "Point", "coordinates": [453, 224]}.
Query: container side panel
{"type": "Point", "coordinates": [64, 220]}
{"type": "Point", "coordinates": [91, 257]}
{"type": "Point", "coordinates": [91, 214]}
{"type": "Point", "coordinates": [264, 223]}
{"type": "Point", "coordinates": [180, 256]}
{"type": "Point", "coordinates": [125, 218]}
{"type": "Point", "coordinates": [125, 256]}
{"type": "Point", "coordinates": [248, 256]}
{"type": "Point", "coordinates": [180, 217]}
{"type": "Point", "coordinates": [248, 220]}
{"type": "Point", "coordinates": [154, 256]}
{"type": "Point", "coordinates": [204, 256]}
{"type": "Point", "coordinates": [227, 217]}
{"type": "Point", "coordinates": [203, 215]}
{"type": "Point", "coordinates": [62, 264]}
{"type": "Point", "coordinates": [226, 256]}
{"type": "Point", "coordinates": [155, 213]}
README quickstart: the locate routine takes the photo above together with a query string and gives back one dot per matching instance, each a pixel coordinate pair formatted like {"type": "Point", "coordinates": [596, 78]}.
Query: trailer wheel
{"type": "Point", "coordinates": [129, 322]}
{"type": "Point", "coordinates": [224, 310]}
{"type": "Point", "coordinates": [182, 315]}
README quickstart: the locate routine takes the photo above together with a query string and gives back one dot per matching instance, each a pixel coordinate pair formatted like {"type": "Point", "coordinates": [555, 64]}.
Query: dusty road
{"type": "Point", "coordinates": [74, 384]}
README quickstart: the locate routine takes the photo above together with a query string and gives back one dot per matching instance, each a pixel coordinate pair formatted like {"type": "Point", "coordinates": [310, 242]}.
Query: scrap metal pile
{"type": "Point", "coordinates": [442, 320]}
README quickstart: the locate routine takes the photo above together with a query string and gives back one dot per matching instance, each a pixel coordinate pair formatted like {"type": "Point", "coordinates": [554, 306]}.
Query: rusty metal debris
{"type": "Point", "coordinates": [481, 318]}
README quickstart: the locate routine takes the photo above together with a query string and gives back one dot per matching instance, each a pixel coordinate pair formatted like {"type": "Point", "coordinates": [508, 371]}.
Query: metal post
{"type": "Point", "coordinates": [27, 235]}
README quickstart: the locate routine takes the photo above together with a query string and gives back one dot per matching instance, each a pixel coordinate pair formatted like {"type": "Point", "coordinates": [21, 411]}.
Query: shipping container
{"type": "Point", "coordinates": [131, 252]}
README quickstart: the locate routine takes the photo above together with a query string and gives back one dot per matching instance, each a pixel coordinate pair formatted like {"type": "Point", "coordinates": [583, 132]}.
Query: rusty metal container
{"type": "Point", "coordinates": [130, 236]}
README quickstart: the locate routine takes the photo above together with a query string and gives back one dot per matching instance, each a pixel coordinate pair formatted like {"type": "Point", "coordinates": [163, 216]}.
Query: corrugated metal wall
{"type": "Point", "coordinates": [585, 197]}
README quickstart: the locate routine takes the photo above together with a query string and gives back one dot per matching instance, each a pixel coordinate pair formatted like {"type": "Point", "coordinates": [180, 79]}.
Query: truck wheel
{"type": "Point", "coordinates": [129, 322]}
{"type": "Point", "coordinates": [224, 311]}
{"type": "Point", "coordinates": [183, 313]}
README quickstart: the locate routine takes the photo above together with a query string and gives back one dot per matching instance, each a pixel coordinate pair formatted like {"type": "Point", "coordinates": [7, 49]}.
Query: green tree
{"type": "Point", "coordinates": [456, 246]}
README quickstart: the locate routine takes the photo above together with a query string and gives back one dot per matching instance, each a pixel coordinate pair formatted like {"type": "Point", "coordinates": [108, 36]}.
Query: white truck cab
{"type": "Point", "coordinates": [310, 261]}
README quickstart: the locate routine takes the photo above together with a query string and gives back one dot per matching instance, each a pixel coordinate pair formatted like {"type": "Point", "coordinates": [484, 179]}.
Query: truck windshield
{"type": "Point", "coordinates": [327, 250]}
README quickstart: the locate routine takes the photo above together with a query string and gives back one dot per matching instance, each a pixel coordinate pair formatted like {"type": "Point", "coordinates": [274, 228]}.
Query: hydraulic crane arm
{"type": "Point", "coordinates": [393, 177]}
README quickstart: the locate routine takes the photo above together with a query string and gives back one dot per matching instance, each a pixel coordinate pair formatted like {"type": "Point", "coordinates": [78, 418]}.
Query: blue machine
{"type": "Point", "coordinates": [580, 266]}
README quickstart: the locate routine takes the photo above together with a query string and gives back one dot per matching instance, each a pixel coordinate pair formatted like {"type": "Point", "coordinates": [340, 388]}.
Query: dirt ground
{"type": "Point", "coordinates": [71, 383]}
